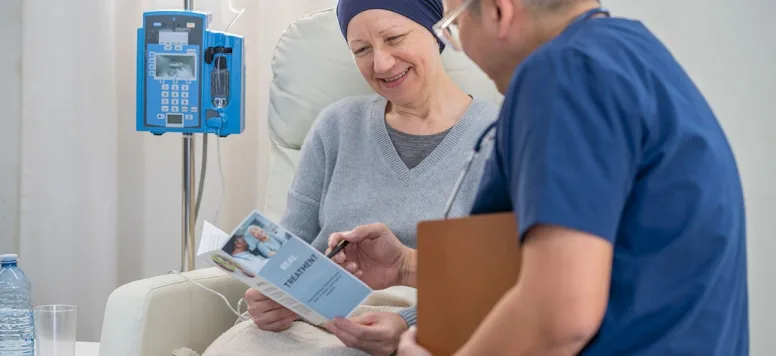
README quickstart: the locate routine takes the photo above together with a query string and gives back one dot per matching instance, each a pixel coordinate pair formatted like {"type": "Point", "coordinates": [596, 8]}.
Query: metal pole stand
{"type": "Point", "coordinates": [187, 248]}
{"type": "Point", "coordinates": [187, 255]}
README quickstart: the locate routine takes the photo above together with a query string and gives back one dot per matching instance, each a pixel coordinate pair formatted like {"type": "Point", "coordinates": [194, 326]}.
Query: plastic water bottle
{"type": "Point", "coordinates": [17, 330]}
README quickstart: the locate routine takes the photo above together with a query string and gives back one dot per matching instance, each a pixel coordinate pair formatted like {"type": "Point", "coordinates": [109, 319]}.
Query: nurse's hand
{"type": "Point", "coordinates": [409, 347]}
{"type": "Point", "coordinates": [267, 314]}
{"type": "Point", "coordinates": [374, 333]}
{"type": "Point", "coordinates": [375, 255]}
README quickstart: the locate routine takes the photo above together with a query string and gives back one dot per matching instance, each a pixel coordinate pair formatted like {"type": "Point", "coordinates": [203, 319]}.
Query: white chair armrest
{"type": "Point", "coordinates": [154, 316]}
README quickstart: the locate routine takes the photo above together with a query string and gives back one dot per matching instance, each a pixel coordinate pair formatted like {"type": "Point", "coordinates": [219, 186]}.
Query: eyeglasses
{"type": "Point", "coordinates": [447, 30]}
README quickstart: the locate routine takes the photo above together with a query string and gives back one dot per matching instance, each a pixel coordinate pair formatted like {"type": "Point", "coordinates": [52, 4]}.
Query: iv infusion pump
{"type": "Point", "coordinates": [189, 79]}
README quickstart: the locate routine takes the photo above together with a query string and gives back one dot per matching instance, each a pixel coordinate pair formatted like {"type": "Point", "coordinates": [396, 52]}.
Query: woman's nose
{"type": "Point", "coordinates": [383, 61]}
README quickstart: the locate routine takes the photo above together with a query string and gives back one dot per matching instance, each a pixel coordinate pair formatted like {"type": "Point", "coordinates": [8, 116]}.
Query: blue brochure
{"type": "Point", "coordinates": [285, 268]}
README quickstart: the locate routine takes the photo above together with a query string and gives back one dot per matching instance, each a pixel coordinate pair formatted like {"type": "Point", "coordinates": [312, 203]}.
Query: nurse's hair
{"type": "Point", "coordinates": [550, 5]}
{"type": "Point", "coordinates": [553, 4]}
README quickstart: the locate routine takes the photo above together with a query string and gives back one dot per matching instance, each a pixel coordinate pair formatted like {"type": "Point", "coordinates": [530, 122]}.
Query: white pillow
{"type": "Point", "coordinates": [312, 68]}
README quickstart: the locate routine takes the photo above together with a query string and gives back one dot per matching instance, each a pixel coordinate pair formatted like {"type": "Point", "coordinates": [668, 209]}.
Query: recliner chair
{"type": "Point", "coordinates": [312, 68]}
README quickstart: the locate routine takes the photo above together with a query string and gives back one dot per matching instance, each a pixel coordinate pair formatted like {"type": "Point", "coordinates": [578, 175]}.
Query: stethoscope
{"type": "Point", "coordinates": [489, 133]}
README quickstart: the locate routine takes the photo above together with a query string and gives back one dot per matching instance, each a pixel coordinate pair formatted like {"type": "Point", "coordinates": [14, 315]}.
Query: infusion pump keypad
{"type": "Point", "coordinates": [173, 85]}
{"type": "Point", "coordinates": [175, 98]}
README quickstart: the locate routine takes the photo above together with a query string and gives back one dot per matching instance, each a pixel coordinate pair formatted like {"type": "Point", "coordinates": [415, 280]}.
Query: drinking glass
{"type": "Point", "coordinates": [55, 330]}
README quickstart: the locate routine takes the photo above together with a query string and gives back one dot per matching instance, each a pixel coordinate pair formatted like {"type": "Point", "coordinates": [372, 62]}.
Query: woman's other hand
{"type": "Point", "coordinates": [268, 314]}
{"type": "Point", "coordinates": [377, 334]}
{"type": "Point", "coordinates": [408, 345]}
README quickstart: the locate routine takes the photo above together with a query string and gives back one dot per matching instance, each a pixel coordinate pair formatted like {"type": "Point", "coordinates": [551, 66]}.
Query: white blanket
{"type": "Point", "coordinates": [246, 339]}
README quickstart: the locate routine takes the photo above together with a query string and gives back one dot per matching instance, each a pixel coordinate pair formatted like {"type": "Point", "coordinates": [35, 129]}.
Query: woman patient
{"type": "Point", "coordinates": [392, 158]}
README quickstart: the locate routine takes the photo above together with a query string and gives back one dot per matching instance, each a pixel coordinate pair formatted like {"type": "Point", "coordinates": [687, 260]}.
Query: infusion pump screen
{"type": "Point", "coordinates": [176, 66]}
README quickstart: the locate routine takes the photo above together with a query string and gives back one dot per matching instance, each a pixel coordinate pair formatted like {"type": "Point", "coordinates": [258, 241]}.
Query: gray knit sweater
{"type": "Point", "coordinates": [349, 174]}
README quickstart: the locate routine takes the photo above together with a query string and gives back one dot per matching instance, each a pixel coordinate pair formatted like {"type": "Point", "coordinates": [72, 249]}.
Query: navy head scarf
{"type": "Point", "coordinates": [425, 12]}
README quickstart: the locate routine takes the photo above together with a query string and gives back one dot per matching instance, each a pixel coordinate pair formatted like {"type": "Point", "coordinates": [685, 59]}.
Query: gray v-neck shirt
{"type": "Point", "coordinates": [413, 149]}
{"type": "Point", "coordinates": [350, 173]}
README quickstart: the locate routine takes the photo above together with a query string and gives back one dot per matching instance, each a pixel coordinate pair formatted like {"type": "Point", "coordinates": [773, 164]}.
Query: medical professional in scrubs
{"type": "Point", "coordinates": [626, 192]}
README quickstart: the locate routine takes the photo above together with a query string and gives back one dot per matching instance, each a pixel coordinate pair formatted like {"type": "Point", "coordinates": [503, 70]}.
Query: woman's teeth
{"type": "Point", "coordinates": [397, 77]}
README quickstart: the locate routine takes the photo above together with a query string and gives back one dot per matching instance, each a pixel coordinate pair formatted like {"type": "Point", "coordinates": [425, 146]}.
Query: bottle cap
{"type": "Point", "coordinates": [10, 257]}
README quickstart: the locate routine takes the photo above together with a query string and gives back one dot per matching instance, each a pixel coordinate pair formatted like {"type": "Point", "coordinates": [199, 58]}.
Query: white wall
{"type": "Point", "coordinates": [10, 123]}
{"type": "Point", "coordinates": [728, 47]}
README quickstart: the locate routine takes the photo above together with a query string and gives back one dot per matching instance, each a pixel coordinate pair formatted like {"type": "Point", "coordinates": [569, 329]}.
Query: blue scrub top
{"type": "Point", "coordinates": [602, 131]}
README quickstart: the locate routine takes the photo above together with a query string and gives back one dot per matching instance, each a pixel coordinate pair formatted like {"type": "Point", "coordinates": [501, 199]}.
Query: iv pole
{"type": "Point", "coordinates": [187, 250]}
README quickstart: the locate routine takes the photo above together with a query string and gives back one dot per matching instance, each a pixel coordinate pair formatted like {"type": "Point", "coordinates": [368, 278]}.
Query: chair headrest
{"type": "Point", "coordinates": [313, 67]}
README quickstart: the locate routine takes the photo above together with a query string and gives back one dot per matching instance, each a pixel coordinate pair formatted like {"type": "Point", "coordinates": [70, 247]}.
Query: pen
{"type": "Point", "coordinates": [337, 248]}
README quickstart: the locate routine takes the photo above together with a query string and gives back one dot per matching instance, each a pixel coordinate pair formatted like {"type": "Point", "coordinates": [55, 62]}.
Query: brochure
{"type": "Point", "coordinates": [283, 267]}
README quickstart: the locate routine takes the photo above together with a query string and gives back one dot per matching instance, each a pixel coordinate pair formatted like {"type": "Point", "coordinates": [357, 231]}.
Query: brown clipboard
{"type": "Point", "coordinates": [465, 266]}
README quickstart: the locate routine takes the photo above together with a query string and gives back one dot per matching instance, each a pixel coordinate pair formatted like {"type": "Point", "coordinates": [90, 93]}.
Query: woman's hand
{"type": "Point", "coordinates": [374, 333]}
{"type": "Point", "coordinates": [375, 255]}
{"type": "Point", "coordinates": [268, 314]}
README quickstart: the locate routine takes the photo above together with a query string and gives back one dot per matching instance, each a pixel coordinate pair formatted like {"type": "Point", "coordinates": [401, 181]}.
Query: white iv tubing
{"type": "Point", "coordinates": [240, 317]}
{"type": "Point", "coordinates": [236, 312]}
{"type": "Point", "coordinates": [221, 176]}
{"type": "Point", "coordinates": [218, 136]}
{"type": "Point", "coordinates": [237, 14]}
